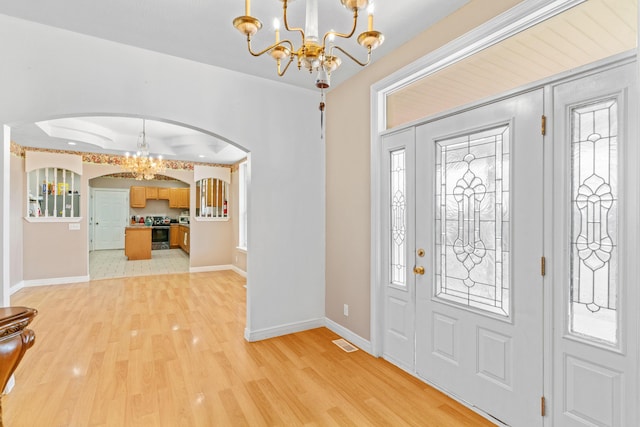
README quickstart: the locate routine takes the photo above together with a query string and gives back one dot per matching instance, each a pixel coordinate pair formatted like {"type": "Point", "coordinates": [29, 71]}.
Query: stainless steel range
{"type": "Point", "coordinates": [160, 232]}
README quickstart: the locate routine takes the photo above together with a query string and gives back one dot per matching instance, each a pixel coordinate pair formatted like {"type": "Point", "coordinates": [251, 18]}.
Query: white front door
{"type": "Point", "coordinates": [479, 301]}
{"type": "Point", "coordinates": [110, 217]}
{"type": "Point", "coordinates": [595, 163]}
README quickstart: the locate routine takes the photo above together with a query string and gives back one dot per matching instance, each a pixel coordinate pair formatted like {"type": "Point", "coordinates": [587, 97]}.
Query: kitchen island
{"type": "Point", "coordinates": [137, 242]}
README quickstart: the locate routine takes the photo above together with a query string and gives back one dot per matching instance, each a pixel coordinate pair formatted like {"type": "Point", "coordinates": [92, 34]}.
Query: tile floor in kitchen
{"type": "Point", "coordinates": [112, 263]}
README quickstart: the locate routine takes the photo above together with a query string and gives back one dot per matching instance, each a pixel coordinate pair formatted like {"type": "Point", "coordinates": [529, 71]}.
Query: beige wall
{"type": "Point", "coordinates": [348, 213]}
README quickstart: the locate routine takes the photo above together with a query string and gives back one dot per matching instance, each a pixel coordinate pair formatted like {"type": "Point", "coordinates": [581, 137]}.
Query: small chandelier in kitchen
{"type": "Point", "coordinates": [313, 54]}
{"type": "Point", "coordinates": [141, 165]}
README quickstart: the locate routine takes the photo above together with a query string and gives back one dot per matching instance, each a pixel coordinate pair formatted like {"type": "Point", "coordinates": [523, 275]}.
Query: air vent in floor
{"type": "Point", "coordinates": [346, 346]}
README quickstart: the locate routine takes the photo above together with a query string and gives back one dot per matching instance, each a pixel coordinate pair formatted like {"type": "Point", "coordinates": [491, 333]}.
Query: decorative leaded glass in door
{"type": "Point", "coordinates": [398, 218]}
{"type": "Point", "coordinates": [472, 220]}
{"type": "Point", "coordinates": [594, 201]}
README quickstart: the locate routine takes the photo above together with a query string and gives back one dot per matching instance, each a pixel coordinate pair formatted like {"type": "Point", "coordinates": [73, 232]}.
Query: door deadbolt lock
{"type": "Point", "coordinates": [418, 270]}
{"type": "Point", "coordinates": [420, 252]}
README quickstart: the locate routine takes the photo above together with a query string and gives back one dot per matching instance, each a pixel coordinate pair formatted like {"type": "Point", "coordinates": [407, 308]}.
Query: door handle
{"type": "Point", "coordinates": [418, 270]}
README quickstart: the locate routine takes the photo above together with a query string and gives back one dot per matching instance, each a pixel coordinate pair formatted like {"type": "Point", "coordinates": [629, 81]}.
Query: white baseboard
{"type": "Point", "coordinates": [291, 328]}
{"type": "Point", "coordinates": [210, 268]}
{"type": "Point", "coordinates": [15, 288]}
{"type": "Point", "coordinates": [217, 268]}
{"type": "Point", "coordinates": [357, 340]}
{"type": "Point", "coordinates": [51, 281]}
{"type": "Point", "coordinates": [239, 271]}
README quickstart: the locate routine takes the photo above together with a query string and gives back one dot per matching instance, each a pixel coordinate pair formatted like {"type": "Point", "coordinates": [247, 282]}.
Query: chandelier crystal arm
{"type": "Point", "coordinates": [362, 64]}
{"type": "Point", "coordinates": [273, 46]}
{"type": "Point", "coordinates": [344, 36]}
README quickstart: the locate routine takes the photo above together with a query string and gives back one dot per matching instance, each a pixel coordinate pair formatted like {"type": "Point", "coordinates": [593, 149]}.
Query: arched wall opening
{"type": "Point", "coordinates": [285, 289]}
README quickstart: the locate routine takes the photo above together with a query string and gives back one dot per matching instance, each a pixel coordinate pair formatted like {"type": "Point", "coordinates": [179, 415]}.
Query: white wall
{"type": "Point", "coordinates": [50, 73]}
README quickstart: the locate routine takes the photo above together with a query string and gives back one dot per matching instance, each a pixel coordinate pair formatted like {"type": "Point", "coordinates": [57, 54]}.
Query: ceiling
{"type": "Point", "coordinates": [119, 135]}
{"type": "Point", "coordinates": [202, 31]}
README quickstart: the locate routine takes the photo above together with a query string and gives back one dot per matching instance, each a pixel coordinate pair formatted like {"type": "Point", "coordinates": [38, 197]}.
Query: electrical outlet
{"type": "Point", "coordinates": [346, 309]}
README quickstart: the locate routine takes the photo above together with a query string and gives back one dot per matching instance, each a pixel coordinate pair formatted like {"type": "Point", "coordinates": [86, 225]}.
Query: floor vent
{"type": "Point", "coordinates": [346, 346]}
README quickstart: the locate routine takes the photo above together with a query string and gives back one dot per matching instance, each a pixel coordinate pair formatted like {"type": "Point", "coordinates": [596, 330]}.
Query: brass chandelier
{"type": "Point", "coordinates": [314, 54]}
{"type": "Point", "coordinates": [141, 165]}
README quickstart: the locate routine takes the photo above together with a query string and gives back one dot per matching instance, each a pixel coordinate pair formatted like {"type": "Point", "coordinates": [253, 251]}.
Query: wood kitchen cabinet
{"type": "Point", "coordinates": [163, 193]}
{"type": "Point", "coordinates": [173, 198]}
{"type": "Point", "coordinates": [183, 196]}
{"type": "Point", "coordinates": [137, 197]}
{"type": "Point", "coordinates": [179, 198]}
{"type": "Point", "coordinates": [137, 242]}
{"type": "Point", "coordinates": [151, 193]}
{"type": "Point", "coordinates": [174, 236]}
{"type": "Point", "coordinates": [184, 237]}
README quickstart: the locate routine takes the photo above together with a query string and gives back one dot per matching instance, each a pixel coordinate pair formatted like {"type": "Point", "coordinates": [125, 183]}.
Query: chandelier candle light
{"type": "Point", "coordinates": [141, 165]}
{"type": "Point", "coordinates": [312, 54]}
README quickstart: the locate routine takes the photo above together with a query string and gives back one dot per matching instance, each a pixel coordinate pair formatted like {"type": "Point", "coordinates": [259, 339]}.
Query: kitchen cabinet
{"type": "Point", "coordinates": [173, 198]}
{"type": "Point", "coordinates": [179, 198]}
{"type": "Point", "coordinates": [184, 237]}
{"type": "Point", "coordinates": [163, 193]}
{"type": "Point", "coordinates": [137, 197]}
{"type": "Point", "coordinates": [137, 242]}
{"type": "Point", "coordinates": [151, 193]}
{"type": "Point", "coordinates": [183, 198]}
{"type": "Point", "coordinates": [174, 236]}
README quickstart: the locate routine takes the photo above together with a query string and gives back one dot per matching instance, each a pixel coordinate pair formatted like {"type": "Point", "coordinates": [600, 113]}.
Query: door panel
{"type": "Point", "coordinates": [397, 247]}
{"type": "Point", "coordinates": [595, 202]}
{"type": "Point", "coordinates": [110, 218]}
{"type": "Point", "coordinates": [479, 217]}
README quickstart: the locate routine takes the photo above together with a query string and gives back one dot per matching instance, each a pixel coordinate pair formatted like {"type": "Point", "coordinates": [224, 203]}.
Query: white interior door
{"type": "Point", "coordinates": [595, 244]}
{"type": "Point", "coordinates": [479, 303]}
{"type": "Point", "coordinates": [110, 217]}
{"type": "Point", "coordinates": [398, 188]}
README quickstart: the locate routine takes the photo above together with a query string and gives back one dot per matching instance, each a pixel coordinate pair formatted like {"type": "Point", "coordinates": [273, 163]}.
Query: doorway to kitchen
{"type": "Point", "coordinates": [111, 211]}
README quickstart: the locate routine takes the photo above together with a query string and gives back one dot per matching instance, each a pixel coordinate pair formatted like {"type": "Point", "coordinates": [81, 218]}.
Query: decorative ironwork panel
{"type": "Point", "coordinates": [398, 218]}
{"type": "Point", "coordinates": [594, 203]}
{"type": "Point", "coordinates": [472, 220]}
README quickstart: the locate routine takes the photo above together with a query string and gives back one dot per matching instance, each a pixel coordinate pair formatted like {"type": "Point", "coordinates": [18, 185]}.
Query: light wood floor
{"type": "Point", "coordinates": [169, 350]}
